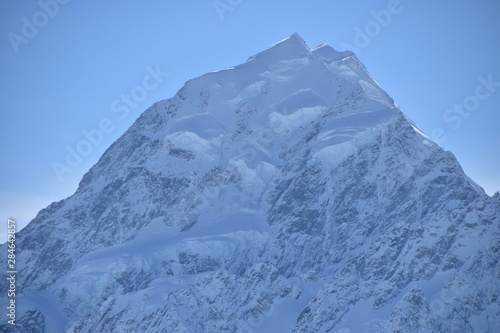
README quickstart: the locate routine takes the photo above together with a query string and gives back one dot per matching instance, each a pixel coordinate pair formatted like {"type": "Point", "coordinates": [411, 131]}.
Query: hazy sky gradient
{"type": "Point", "coordinates": [66, 68]}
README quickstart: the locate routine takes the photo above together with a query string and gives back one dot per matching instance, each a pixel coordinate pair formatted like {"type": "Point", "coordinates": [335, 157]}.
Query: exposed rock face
{"type": "Point", "coordinates": [287, 194]}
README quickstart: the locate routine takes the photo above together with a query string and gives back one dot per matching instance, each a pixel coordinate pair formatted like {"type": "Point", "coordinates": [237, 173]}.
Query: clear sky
{"type": "Point", "coordinates": [67, 68]}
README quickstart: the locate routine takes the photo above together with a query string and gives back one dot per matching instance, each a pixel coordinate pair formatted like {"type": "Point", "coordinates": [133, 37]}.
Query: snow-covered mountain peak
{"type": "Point", "coordinates": [286, 75]}
{"type": "Point", "coordinates": [285, 194]}
{"type": "Point", "coordinates": [294, 38]}
{"type": "Point", "coordinates": [293, 47]}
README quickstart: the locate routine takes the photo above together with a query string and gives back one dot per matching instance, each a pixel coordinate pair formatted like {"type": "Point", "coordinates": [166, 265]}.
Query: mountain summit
{"type": "Point", "coordinates": [286, 194]}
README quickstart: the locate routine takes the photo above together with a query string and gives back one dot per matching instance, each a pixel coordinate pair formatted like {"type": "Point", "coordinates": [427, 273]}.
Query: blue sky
{"type": "Point", "coordinates": [73, 69]}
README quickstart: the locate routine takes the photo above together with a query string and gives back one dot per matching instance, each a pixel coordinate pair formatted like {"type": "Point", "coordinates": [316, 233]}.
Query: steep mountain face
{"type": "Point", "coordinates": [286, 194]}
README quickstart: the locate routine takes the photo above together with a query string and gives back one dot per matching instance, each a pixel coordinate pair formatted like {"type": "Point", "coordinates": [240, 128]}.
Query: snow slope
{"type": "Point", "coordinates": [286, 194]}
